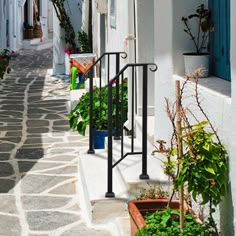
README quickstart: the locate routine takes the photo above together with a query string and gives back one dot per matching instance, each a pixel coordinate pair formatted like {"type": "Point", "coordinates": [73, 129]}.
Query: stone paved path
{"type": "Point", "coordinates": [38, 153]}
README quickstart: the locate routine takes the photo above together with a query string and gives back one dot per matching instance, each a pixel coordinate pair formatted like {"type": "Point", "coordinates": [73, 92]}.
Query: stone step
{"type": "Point", "coordinates": [28, 42]}
{"type": "Point", "coordinates": [126, 183]}
{"type": "Point", "coordinates": [37, 45]}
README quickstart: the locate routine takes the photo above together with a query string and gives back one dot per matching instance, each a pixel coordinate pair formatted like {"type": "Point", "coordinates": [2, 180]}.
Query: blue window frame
{"type": "Point", "coordinates": [220, 38]}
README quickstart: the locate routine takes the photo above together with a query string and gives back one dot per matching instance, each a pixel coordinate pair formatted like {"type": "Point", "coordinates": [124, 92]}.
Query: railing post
{"type": "Point", "coordinates": [109, 192]}
{"type": "Point", "coordinates": [144, 174]}
{"type": "Point", "coordinates": [117, 128]}
{"type": "Point", "coordinates": [91, 149]}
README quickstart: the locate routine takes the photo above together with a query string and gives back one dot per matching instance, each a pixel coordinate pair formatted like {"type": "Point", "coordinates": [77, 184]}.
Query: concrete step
{"type": "Point", "coordinates": [126, 184]}
{"type": "Point", "coordinates": [28, 42]}
{"type": "Point", "coordinates": [37, 45]}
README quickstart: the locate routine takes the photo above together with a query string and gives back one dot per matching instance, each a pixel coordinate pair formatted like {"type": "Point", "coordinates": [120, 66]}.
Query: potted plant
{"type": "Point", "coordinates": [4, 62]}
{"type": "Point", "coordinates": [150, 200]}
{"type": "Point", "coordinates": [196, 162]}
{"type": "Point", "coordinates": [79, 116]}
{"type": "Point", "coordinates": [28, 31]}
{"type": "Point", "coordinates": [204, 25]}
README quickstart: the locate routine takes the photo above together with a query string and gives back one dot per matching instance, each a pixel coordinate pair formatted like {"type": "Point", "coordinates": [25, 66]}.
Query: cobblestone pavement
{"type": "Point", "coordinates": [38, 153]}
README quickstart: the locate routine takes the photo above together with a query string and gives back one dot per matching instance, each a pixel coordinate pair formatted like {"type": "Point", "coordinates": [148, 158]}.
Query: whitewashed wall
{"type": "Point", "coordinates": [74, 11]}
{"type": "Point", "coordinates": [233, 109]}
{"type": "Point", "coordinates": [170, 43]}
{"type": "Point", "coordinates": [145, 46]}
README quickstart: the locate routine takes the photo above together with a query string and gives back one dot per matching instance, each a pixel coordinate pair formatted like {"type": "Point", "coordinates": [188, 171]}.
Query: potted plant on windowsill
{"type": "Point", "coordinates": [204, 24]}
{"type": "Point", "coordinates": [197, 164]}
{"type": "Point", "coordinates": [79, 116]}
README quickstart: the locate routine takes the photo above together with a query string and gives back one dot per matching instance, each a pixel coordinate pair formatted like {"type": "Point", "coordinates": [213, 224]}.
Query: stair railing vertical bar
{"type": "Point", "coordinates": [108, 69]}
{"type": "Point", "coordinates": [91, 149]}
{"type": "Point", "coordinates": [122, 115]}
{"type": "Point", "coordinates": [110, 193]}
{"type": "Point", "coordinates": [110, 164]}
{"type": "Point", "coordinates": [132, 110]}
{"type": "Point", "coordinates": [100, 88]}
{"type": "Point", "coordinates": [90, 72]}
{"type": "Point", "coordinates": [144, 174]}
{"type": "Point", "coordinates": [117, 128]}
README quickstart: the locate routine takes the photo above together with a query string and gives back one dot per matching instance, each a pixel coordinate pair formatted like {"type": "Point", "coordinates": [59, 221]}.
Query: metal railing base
{"type": "Point", "coordinates": [117, 138]}
{"type": "Point", "coordinates": [142, 176]}
{"type": "Point", "coordinates": [110, 195]}
{"type": "Point", "coordinates": [91, 151]}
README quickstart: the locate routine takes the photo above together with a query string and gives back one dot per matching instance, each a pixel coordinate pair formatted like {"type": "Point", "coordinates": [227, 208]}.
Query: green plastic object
{"type": "Point", "coordinates": [73, 72]}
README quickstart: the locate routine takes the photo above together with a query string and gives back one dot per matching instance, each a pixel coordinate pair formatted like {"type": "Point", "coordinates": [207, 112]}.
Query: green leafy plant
{"type": "Point", "coordinates": [203, 166]}
{"type": "Point", "coordinates": [83, 40]}
{"type": "Point", "coordinates": [4, 62]}
{"type": "Point", "coordinates": [202, 17]}
{"type": "Point", "coordinates": [79, 116]}
{"type": "Point", "coordinates": [166, 223]}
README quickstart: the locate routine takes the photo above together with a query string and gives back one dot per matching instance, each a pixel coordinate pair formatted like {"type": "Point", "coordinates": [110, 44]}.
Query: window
{"type": "Point", "coordinates": [113, 13]}
{"type": "Point", "coordinates": [220, 38]}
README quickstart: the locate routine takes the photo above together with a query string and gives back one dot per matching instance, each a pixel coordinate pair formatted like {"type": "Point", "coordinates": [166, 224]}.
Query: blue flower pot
{"type": "Point", "coordinates": [99, 139]}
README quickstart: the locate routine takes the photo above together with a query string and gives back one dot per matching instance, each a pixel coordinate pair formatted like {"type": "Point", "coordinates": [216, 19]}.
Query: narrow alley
{"type": "Point", "coordinates": [38, 153]}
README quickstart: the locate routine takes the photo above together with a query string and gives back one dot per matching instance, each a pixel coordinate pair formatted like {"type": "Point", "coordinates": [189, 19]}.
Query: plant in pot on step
{"type": "Point", "coordinates": [197, 164]}
{"type": "Point", "coordinates": [79, 116]}
{"type": "Point", "coordinates": [201, 19]}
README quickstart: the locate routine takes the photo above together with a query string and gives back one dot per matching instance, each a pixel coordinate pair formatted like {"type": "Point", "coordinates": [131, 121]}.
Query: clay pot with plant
{"type": "Point", "coordinates": [197, 163]}
{"type": "Point", "coordinates": [201, 23]}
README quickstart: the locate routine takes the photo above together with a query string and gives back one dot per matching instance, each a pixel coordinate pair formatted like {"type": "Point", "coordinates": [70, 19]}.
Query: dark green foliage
{"type": "Point", "coordinates": [65, 22]}
{"type": "Point", "coordinates": [83, 42]}
{"type": "Point", "coordinates": [4, 62]}
{"type": "Point", "coordinates": [166, 223]}
{"type": "Point", "coordinates": [79, 116]}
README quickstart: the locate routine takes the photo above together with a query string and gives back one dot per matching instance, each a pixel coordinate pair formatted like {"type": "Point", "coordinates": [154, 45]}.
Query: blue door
{"type": "Point", "coordinates": [220, 38]}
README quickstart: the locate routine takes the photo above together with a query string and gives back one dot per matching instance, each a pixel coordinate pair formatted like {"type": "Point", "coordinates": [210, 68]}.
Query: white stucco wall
{"type": "Point", "coordinates": [115, 37]}
{"type": "Point", "coordinates": [170, 43]}
{"type": "Point", "coordinates": [2, 25]}
{"type": "Point", "coordinates": [74, 11]}
{"type": "Point", "coordinates": [233, 108]}
{"type": "Point", "coordinates": [145, 52]}
{"type": "Point", "coordinates": [13, 11]}
{"type": "Point", "coordinates": [58, 47]}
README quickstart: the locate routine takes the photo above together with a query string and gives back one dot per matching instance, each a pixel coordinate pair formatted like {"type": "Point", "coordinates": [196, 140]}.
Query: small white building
{"type": "Point", "coordinates": [152, 31]}
{"type": "Point", "coordinates": [14, 14]}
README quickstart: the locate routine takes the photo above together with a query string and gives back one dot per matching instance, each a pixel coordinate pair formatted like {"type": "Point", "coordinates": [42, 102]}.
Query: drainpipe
{"type": "Point", "coordinates": [135, 57]}
{"type": "Point", "coordinates": [90, 26]}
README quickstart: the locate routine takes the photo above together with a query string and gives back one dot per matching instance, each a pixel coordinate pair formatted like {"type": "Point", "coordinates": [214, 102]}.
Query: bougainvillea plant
{"type": "Point", "coordinates": [4, 62]}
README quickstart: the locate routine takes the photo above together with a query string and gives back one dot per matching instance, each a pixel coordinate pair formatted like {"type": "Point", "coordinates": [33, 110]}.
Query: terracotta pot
{"type": "Point", "coordinates": [139, 208]}
{"type": "Point", "coordinates": [28, 34]}
{"type": "Point", "coordinates": [38, 33]}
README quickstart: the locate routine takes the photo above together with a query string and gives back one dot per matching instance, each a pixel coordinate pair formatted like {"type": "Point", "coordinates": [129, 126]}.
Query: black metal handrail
{"type": "Point", "coordinates": [120, 113]}
{"type": "Point", "coordinates": [90, 72]}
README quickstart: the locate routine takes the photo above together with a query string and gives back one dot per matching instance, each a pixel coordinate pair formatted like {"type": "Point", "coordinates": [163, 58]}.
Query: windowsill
{"type": "Point", "coordinates": [212, 84]}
